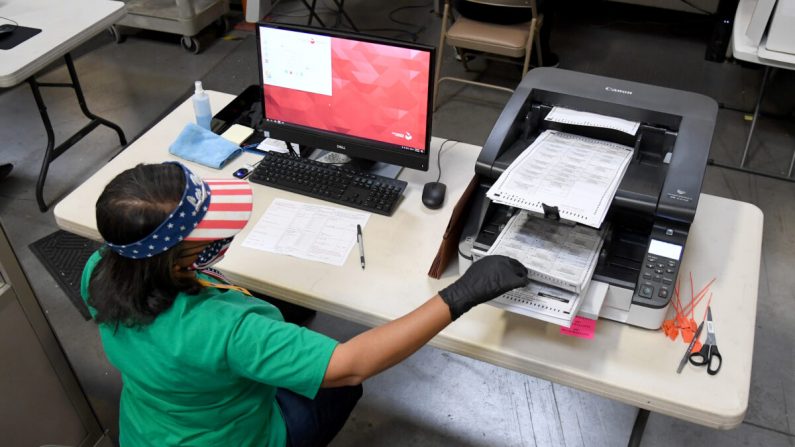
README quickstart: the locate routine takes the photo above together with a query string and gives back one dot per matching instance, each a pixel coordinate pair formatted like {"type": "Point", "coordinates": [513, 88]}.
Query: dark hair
{"type": "Point", "coordinates": [132, 292]}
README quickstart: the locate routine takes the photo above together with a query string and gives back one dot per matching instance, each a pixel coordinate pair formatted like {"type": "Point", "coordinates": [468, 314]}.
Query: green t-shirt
{"type": "Point", "coordinates": [205, 371]}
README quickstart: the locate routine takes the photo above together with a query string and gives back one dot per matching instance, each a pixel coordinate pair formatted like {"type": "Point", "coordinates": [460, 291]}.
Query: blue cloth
{"type": "Point", "coordinates": [315, 422]}
{"type": "Point", "coordinates": [202, 146]}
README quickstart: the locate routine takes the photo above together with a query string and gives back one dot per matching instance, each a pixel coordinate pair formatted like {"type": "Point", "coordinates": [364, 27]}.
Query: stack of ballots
{"type": "Point", "coordinates": [577, 177]}
{"type": "Point", "coordinates": [560, 259]}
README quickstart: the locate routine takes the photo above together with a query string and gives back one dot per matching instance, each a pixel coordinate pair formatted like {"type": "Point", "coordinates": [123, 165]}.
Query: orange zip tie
{"type": "Point", "coordinates": [689, 331]}
{"type": "Point", "coordinates": [690, 323]}
{"type": "Point", "coordinates": [680, 323]}
{"type": "Point", "coordinates": [677, 288]}
{"type": "Point", "coordinates": [701, 294]}
{"type": "Point", "coordinates": [671, 327]}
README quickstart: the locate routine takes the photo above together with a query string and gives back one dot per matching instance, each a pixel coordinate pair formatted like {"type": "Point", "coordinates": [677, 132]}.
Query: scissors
{"type": "Point", "coordinates": [709, 354]}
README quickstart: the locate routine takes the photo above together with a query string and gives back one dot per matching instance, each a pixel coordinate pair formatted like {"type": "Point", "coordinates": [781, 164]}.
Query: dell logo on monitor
{"type": "Point", "coordinates": [615, 90]}
{"type": "Point", "coordinates": [339, 146]}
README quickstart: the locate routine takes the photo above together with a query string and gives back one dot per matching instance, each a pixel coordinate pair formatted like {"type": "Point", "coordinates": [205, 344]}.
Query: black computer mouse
{"type": "Point", "coordinates": [433, 195]}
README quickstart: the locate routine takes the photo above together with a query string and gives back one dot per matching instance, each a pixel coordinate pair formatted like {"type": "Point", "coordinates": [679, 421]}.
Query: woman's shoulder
{"type": "Point", "coordinates": [92, 262]}
{"type": "Point", "coordinates": [224, 304]}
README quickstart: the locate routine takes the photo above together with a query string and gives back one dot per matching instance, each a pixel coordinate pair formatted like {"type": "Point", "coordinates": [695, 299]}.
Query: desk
{"type": "Point", "coordinates": [64, 26]}
{"type": "Point", "coordinates": [624, 363]}
{"type": "Point", "coordinates": [746, 50]}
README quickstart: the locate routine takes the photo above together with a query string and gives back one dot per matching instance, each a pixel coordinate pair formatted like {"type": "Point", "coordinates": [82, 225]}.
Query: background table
{"type": "Point", "coordinates": [625, 363]}
{"type": "Point", "coordinates": [64, 26]}
{"type": "Point", "coordinates": [746, 50]}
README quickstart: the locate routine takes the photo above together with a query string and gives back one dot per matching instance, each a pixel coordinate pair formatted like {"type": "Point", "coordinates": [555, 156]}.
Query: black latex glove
{"type": "Point", "coordinates": [485, 280]}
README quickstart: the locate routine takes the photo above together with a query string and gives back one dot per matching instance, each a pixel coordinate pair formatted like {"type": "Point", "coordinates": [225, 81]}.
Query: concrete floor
{"type": "Point", "coordinates": [436, 398]}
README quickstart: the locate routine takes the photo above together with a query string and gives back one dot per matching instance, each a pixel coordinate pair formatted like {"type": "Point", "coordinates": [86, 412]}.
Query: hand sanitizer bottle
{"type": "Point", "coordinates": [201, 105]}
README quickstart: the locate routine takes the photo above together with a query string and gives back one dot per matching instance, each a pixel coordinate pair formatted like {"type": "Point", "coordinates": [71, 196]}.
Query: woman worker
{"type": "Point", "coordinates": [204, 363]}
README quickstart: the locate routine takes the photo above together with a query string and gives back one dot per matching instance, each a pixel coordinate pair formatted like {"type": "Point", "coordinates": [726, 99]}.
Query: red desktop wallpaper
{"type": "Point", "coordinates": [379, 92]}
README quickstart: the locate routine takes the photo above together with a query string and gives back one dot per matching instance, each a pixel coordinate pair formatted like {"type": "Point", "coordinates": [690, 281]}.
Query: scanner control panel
{"type": "Point", "coordinates": [658, 274]}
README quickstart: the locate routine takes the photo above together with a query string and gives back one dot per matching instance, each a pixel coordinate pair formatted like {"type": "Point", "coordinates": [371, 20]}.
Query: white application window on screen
{"type": "Point", "coordinates": [296, 60]}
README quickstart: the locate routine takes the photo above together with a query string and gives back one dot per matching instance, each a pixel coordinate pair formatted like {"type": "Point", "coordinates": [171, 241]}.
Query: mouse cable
{"type": "Point", "coordinates": [14, 23]}
{"type": "Point", "coordinates": [439, 156]}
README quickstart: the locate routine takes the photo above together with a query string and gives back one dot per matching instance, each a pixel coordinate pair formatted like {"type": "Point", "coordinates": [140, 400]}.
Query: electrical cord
{"type": "Point", "coordinates": [338, 23]}
{"type": "Point", "coordinates": [15, 24]}
{"type": "Point", "coordinates": [439, 157]}
{"type": "Point", "coordinates": [420, 29]}
{"type": "Point", "coordinates": [294, 13]}
{"type": "Point", "coordinates": [414, 35]}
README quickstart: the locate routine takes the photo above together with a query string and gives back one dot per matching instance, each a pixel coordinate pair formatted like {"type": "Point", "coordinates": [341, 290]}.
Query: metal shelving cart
{"type": "Point", "coordinates": [184, 17]}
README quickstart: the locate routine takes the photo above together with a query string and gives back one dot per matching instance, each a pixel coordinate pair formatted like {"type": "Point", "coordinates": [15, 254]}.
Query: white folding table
{"type": "Point", "coordinates": [625, 363]}
{"type": "Point", "coordinates": [746, 50]}
{"type": "Point", "coordinates": [64, 26]}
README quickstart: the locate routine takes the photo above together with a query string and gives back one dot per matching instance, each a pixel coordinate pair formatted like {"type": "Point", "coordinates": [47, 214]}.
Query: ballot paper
{"type": "Point", "coordinates": [578, 175]}
{"type": "Point", "coordinates": [314, 232]}
{"type": "Point", "coordinates": [549, 303]}
{"type": "Point", "coordinates": [542, 302]}
{"type": "Point", "coordinates": [568, 116]}
{"type": "Point", "coordinates": [555, 254]}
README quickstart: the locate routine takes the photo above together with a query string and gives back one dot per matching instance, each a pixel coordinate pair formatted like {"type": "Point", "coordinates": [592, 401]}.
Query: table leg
{"type": "Point", "coordinates": [742, 167]}
{"type": "Point", "coordinates": [765, 75]}
{"type": "Point", "coordinates": [341, 10]}
{"type": "Point", "coordinates": [48, 157]}
{"type": "Point", "coordinates": [268, 12]}
{"type": "Point", "coordinates": [312, 13]}
{"type": "Point", "coordinates": [637, 429]}
{"type": "Point", "coordinates": [51, 153]}
{"type": "Point", "coordinates": [82, 101]}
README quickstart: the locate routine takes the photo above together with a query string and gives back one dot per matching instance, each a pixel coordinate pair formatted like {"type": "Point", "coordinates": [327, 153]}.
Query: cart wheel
{"type": "Point", "coordinates": [116, 34]}
{"type": "Point", "coordinates": [222, 26]}
{"type": "Point", "coordinates": [191, 44]}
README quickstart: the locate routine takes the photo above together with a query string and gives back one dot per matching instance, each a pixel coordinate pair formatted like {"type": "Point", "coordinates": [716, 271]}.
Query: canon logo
{"type": "Point", "coordinates": [339, 146]}
{"type": "Point", "coordinates": [615, 90]}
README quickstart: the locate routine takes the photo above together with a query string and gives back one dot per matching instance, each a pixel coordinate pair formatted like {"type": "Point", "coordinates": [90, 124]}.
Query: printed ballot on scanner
{"type": "Point", "coordinates": [643, 217]}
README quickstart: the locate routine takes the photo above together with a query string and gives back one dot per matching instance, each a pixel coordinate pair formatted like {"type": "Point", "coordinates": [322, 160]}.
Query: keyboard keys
{"type": "Point", "coordinates": [336, 184]}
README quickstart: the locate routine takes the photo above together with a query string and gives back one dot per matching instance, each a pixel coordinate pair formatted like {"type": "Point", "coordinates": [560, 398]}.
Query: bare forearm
{"type": "Point", "coordinates": [379, 348]}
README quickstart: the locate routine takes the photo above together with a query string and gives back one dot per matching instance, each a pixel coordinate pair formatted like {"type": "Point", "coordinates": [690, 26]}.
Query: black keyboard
{"type": "Point", "coordinates": [337, 184]}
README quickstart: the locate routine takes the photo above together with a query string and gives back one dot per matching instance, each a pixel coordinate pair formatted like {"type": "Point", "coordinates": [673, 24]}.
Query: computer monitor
{"type": "Point", "coordinates": [362, 96]}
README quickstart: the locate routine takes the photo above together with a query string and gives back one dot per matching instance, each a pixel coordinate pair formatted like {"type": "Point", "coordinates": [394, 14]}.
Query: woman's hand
{"type": "Point", "coordinates": [485, 280]}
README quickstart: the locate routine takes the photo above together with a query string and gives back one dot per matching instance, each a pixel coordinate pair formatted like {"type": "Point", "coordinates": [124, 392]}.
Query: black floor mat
{"type": "Point", "coordinates": [64, 255]}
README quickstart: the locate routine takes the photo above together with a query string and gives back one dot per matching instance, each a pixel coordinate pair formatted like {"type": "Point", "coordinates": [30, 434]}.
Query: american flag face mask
{"type": "Point", "coordinates": [209, 210]}
{"type": "Point", "coordinates": [211, 254]}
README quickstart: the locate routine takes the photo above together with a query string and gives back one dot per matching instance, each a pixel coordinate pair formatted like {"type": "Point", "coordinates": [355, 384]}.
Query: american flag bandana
{"type": "Point", "coordinates": [209, 210]}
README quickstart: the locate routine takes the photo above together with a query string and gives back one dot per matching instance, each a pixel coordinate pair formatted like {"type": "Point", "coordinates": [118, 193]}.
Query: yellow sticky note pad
{"type": "Point", "coordinates": [237, 133]}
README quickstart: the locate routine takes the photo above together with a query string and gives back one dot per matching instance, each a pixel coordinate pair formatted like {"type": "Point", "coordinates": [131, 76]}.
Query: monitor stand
{"type": "Point", "coordinates": [360, 164]}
